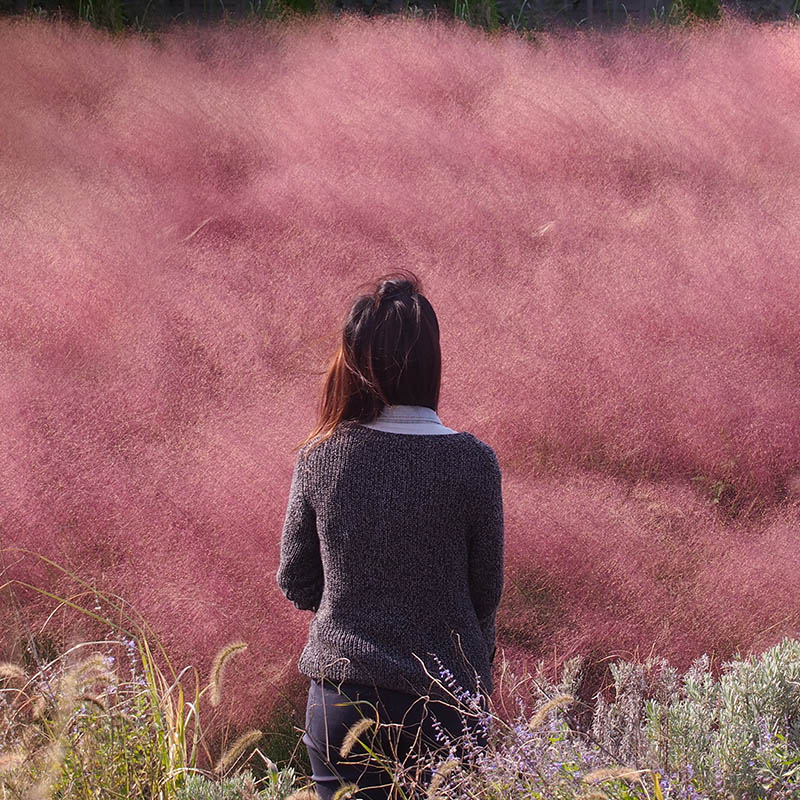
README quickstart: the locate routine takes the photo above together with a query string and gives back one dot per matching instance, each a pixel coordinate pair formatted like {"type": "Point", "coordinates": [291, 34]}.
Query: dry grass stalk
{"type": "Point", "coordinates": [446, 769]}
{"type": "Point", "coordinates": [53, 759]}
{"type": "Point", "coordinates": [12, 672]}
{"type": "Point", "coordinates": [538, 718]}
{"type": "Point", "coordinates": [613, 773]}
{"type": "Point", "coordinates": [304, 794]}
{"type": "Point", "coordinates": [218, 668]}
{"type": "Point", "coordinates": [11, 760]}
{"type": "Point", "coordinates": [236, 749]}
{"type": "Point", "coordinates": [38, 706]}
{"type": "Point", "coordinates": [96, 699]}
{"type": "Point", "coordinates": [346, 792]}
{"type": "Point", "coordinates": [353, 735]}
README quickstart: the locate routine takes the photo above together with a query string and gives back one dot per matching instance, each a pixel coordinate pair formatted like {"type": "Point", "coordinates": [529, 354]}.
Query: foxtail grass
{"type": "Point", "coordinates": [354, 734]}
{"type": "Point", "coordinates": [12, 672]}
{"type": "Point", "coordinates": [158, 704]}
{"type": "Point", "coordinates": [346, 792]}
{"type": "Point", "coordinates": [232, 754]}
{"type": "Point", "coordinates": [450, 766]}
{"type": "Point", "coordinates": [557, 702]}
{"type": "Point", "coordinates": [218, 668]}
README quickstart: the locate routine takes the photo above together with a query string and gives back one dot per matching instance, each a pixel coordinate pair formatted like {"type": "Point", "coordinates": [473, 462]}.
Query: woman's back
{"type": "Point", "coordinates": [394, 537]}
{"type": "Point", "coordinates": [407, 531]}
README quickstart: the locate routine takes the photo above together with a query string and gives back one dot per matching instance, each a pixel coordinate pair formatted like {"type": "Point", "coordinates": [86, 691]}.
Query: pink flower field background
{"type": "Point", "coordinates": [606, 224]}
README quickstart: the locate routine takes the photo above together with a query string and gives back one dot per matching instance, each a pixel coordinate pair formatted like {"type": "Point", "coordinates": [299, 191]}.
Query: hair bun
{"type": "Point", "coordinates": [391, 290]}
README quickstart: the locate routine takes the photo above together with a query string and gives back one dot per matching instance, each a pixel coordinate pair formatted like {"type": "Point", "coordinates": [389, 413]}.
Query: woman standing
{"type": "Point", "coordinates": [393, 536]}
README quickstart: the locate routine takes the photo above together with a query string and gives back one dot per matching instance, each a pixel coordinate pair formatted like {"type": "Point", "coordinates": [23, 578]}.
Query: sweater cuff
{"type": "Point", "coordinates": [305, 605]}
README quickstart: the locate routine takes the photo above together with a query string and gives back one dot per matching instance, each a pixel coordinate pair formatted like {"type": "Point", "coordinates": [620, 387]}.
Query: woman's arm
{"type": "Point", "coordinates": [486, 556]}
{"type": "Point", "coordinates": [300, 574]}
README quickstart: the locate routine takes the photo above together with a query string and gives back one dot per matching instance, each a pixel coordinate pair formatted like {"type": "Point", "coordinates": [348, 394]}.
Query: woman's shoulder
{"type": "Point", "coordinates": [485, 453]}
{"type": "Point", "coordinates": [479, 444]}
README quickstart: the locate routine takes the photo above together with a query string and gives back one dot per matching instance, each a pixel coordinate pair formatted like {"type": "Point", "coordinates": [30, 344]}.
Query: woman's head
{"type": "Point", "coordinates": [389, 355]}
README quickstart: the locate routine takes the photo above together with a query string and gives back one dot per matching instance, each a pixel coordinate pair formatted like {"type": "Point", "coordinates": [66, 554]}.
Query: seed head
{"type": "Point", "coordinates": [53, 759]}
{"type": "Point", "coordinates": [9, 761]}
{"type": "Point", "coordinates": [304, 794]}
{"type": "Point", "coordinates": [38, 706]}
{"type": "Point", "coordinates": [96, 699]}
{"type": "Point", "coordinates": [346, 792]}
{"type": "Point", "coordinates": [449, 766]}
{"type": "Point", "coordinates": [218, 667]}
{"type": "Point", "coordinates": [538, 718]}
{"type": "Point", "coordinates": [12, 672]}
{"type": "Point", "coordinates": [236, 749]}
{"type": "Point", "coordinates": [353, 735]}
{"type": "Point", "coordinates": [613, 773]}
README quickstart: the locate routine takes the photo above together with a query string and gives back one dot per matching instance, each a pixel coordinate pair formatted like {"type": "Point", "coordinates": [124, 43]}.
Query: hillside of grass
{"type": "Point", "coordinates": [606, 224]}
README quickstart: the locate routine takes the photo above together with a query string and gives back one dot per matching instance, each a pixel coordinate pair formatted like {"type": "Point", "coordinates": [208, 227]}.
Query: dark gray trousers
{"type": "Point", "coordinates": [416, 726]}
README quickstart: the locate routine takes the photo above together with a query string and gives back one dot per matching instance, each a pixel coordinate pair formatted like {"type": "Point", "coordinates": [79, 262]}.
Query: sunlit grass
{"type": "Point", "coordinates": [102, 719]}
{"type": "Point", "coordinates": [80, 727]}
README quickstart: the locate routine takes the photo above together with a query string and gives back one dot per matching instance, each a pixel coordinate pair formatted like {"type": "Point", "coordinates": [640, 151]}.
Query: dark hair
{"type": "Point", "coordinates": [389, 354]}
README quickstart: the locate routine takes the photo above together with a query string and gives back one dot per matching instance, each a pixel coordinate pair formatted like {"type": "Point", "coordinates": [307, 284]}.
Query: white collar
{"type": "Point", "coordinates": [403, 413]}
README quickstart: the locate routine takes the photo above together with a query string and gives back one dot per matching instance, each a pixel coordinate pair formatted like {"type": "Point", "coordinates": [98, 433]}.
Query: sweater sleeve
{"type": "Point", "coordinates": [486, 556]}
{"type": "Point", "coordinates": [300, 574]}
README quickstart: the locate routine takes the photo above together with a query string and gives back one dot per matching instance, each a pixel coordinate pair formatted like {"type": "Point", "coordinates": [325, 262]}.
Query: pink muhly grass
{"type": "Point", "coordinates": [605, 224]}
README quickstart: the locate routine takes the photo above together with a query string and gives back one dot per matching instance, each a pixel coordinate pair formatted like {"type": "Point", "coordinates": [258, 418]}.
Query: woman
{"type": "Point", "coordinates": [393, 536]}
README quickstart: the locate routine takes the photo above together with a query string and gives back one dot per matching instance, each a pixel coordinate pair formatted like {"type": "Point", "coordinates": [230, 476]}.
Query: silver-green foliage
{"type": "Point", "coordinates": [738, 735]}
{"type": "Point", "coordinates": [241, 786]}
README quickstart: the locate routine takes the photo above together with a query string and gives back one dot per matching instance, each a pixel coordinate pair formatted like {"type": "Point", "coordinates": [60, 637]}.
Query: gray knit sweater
{"type": "Point", "coordinates": [397, 543]}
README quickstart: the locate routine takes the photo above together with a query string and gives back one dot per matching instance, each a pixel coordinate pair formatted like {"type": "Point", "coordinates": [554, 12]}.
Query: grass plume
{"type": "Point", "coordinates": [612, 774]}
{"type": "Point", "coordinates": [11, 760]}
{"type": "Point", "coordinates": [12, 672]}
{"type": "Point", "coordinates": [346, 792]}
{"type": "Point", "coordinates": [354, 734]}
{"type": "Point", "coordinates": [218, 669]}
{"type": "Point", "coordinates": [450, 766]}
{"type": "Point", "coordinates": [231, 755]}
{"type": "Point", "coordinates": [557, 702]}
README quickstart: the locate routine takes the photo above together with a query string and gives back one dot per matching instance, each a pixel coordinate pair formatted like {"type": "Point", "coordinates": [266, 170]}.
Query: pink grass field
{"type": "Point", "coordinates": [606, 224]}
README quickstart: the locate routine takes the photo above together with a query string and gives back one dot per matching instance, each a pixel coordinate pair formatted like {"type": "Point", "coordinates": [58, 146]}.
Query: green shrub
{"type": "Point", "coordinates": [737, 736]}
{"type": "Point", "coordinates": [241, 786]}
